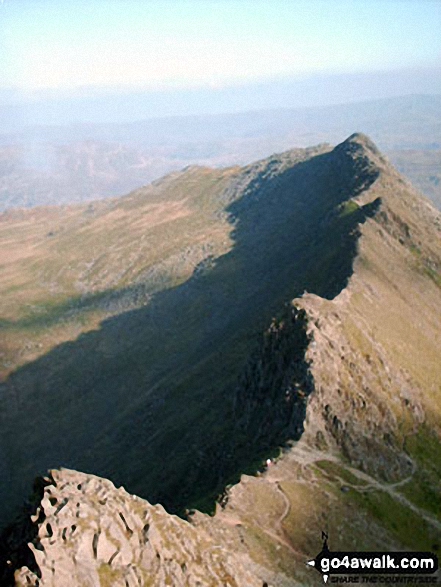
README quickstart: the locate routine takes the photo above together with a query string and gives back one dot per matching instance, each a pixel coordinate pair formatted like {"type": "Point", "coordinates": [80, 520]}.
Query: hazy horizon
{"type": "Point", "coordinates": [99, 97]}
{"type": "Point", "coordinates": [114, 61]}
{"type": "Point", "coordinates": [112, 105]}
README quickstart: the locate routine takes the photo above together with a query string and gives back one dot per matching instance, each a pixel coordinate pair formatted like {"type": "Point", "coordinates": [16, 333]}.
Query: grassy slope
{"type": "Point", "coordinates": [65, 269]}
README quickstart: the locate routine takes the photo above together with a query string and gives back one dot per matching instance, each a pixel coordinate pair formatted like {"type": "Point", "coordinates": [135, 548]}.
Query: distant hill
{"type": "Point", "coordinates": [176, 339]}
{"type": "Point", "coordinates": [423, 168]}
{"type": "Point", "coordinates": [62, 164]}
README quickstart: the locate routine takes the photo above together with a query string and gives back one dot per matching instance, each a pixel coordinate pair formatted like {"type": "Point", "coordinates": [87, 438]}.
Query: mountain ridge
{"type": "Point", "coordinates": [371, 266]}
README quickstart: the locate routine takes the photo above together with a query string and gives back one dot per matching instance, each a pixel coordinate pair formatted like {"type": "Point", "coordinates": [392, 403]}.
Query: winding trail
{"type": "Point", "coordinates": [230, 520]}
{"type": "Point", "coordinates": [287, 509]}
{"type": "Point", "coordinates": [307, 456]}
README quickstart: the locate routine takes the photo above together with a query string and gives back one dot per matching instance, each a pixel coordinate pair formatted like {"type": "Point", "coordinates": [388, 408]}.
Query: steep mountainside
{"type": "Point", "coordinates": [179, 392]}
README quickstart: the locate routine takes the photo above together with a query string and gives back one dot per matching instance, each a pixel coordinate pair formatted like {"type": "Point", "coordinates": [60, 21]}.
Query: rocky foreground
{"type": "Point", "coordinates": [94, 535]}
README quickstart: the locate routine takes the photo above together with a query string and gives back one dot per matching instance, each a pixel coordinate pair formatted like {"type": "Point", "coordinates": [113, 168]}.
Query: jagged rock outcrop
{"type": "Point", "coordinates": [91, 534]}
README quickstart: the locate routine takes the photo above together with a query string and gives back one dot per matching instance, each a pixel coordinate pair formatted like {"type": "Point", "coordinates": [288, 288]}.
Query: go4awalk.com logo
{"type": "Point", "coordinates": [375, 567]}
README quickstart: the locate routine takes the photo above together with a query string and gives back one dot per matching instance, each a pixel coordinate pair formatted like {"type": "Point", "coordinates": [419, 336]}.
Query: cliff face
{"type": "Point", "coordinates": [346, 380]}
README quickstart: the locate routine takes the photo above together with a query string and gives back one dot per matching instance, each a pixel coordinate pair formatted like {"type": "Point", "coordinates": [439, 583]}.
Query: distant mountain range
{"type": "Point", "coordinates": [42, 165]}
{"type": "Point", "coordinates": [260, 341]}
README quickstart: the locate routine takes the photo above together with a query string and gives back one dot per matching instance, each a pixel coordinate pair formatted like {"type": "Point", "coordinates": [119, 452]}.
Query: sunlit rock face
{"type": "Point", "coordinates": [92, 534]}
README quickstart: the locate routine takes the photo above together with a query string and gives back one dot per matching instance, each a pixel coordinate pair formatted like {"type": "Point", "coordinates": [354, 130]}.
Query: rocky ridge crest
{"type": "Point", "coordinates": [93, 534]}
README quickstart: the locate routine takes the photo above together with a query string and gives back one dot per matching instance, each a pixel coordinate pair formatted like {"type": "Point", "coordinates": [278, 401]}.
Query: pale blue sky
{"type": "Point", "coordinates": [186, 44]}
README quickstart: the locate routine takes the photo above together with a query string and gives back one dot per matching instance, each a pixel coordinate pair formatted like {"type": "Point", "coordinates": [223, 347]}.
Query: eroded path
{"type": "Point", "coordinates": [307, 456]}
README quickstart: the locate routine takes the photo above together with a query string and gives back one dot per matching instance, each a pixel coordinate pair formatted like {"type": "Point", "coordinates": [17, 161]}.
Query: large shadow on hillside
{"type": "Point", "coordinates": [174, 399]}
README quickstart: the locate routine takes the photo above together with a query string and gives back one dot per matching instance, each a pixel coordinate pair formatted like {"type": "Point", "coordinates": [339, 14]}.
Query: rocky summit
{"type": "Point", "coordinates": [278, 380]}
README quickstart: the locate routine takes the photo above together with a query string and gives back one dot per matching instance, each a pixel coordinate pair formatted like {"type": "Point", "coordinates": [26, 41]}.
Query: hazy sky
{"type": "Point", "coordinates": [187, 44]}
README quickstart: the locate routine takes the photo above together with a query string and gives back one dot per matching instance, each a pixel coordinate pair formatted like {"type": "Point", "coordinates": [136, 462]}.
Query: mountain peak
{"type": "Point", "coordinates": [359, 137]}
{"type": "Point", "coordinates": [359, 142]}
